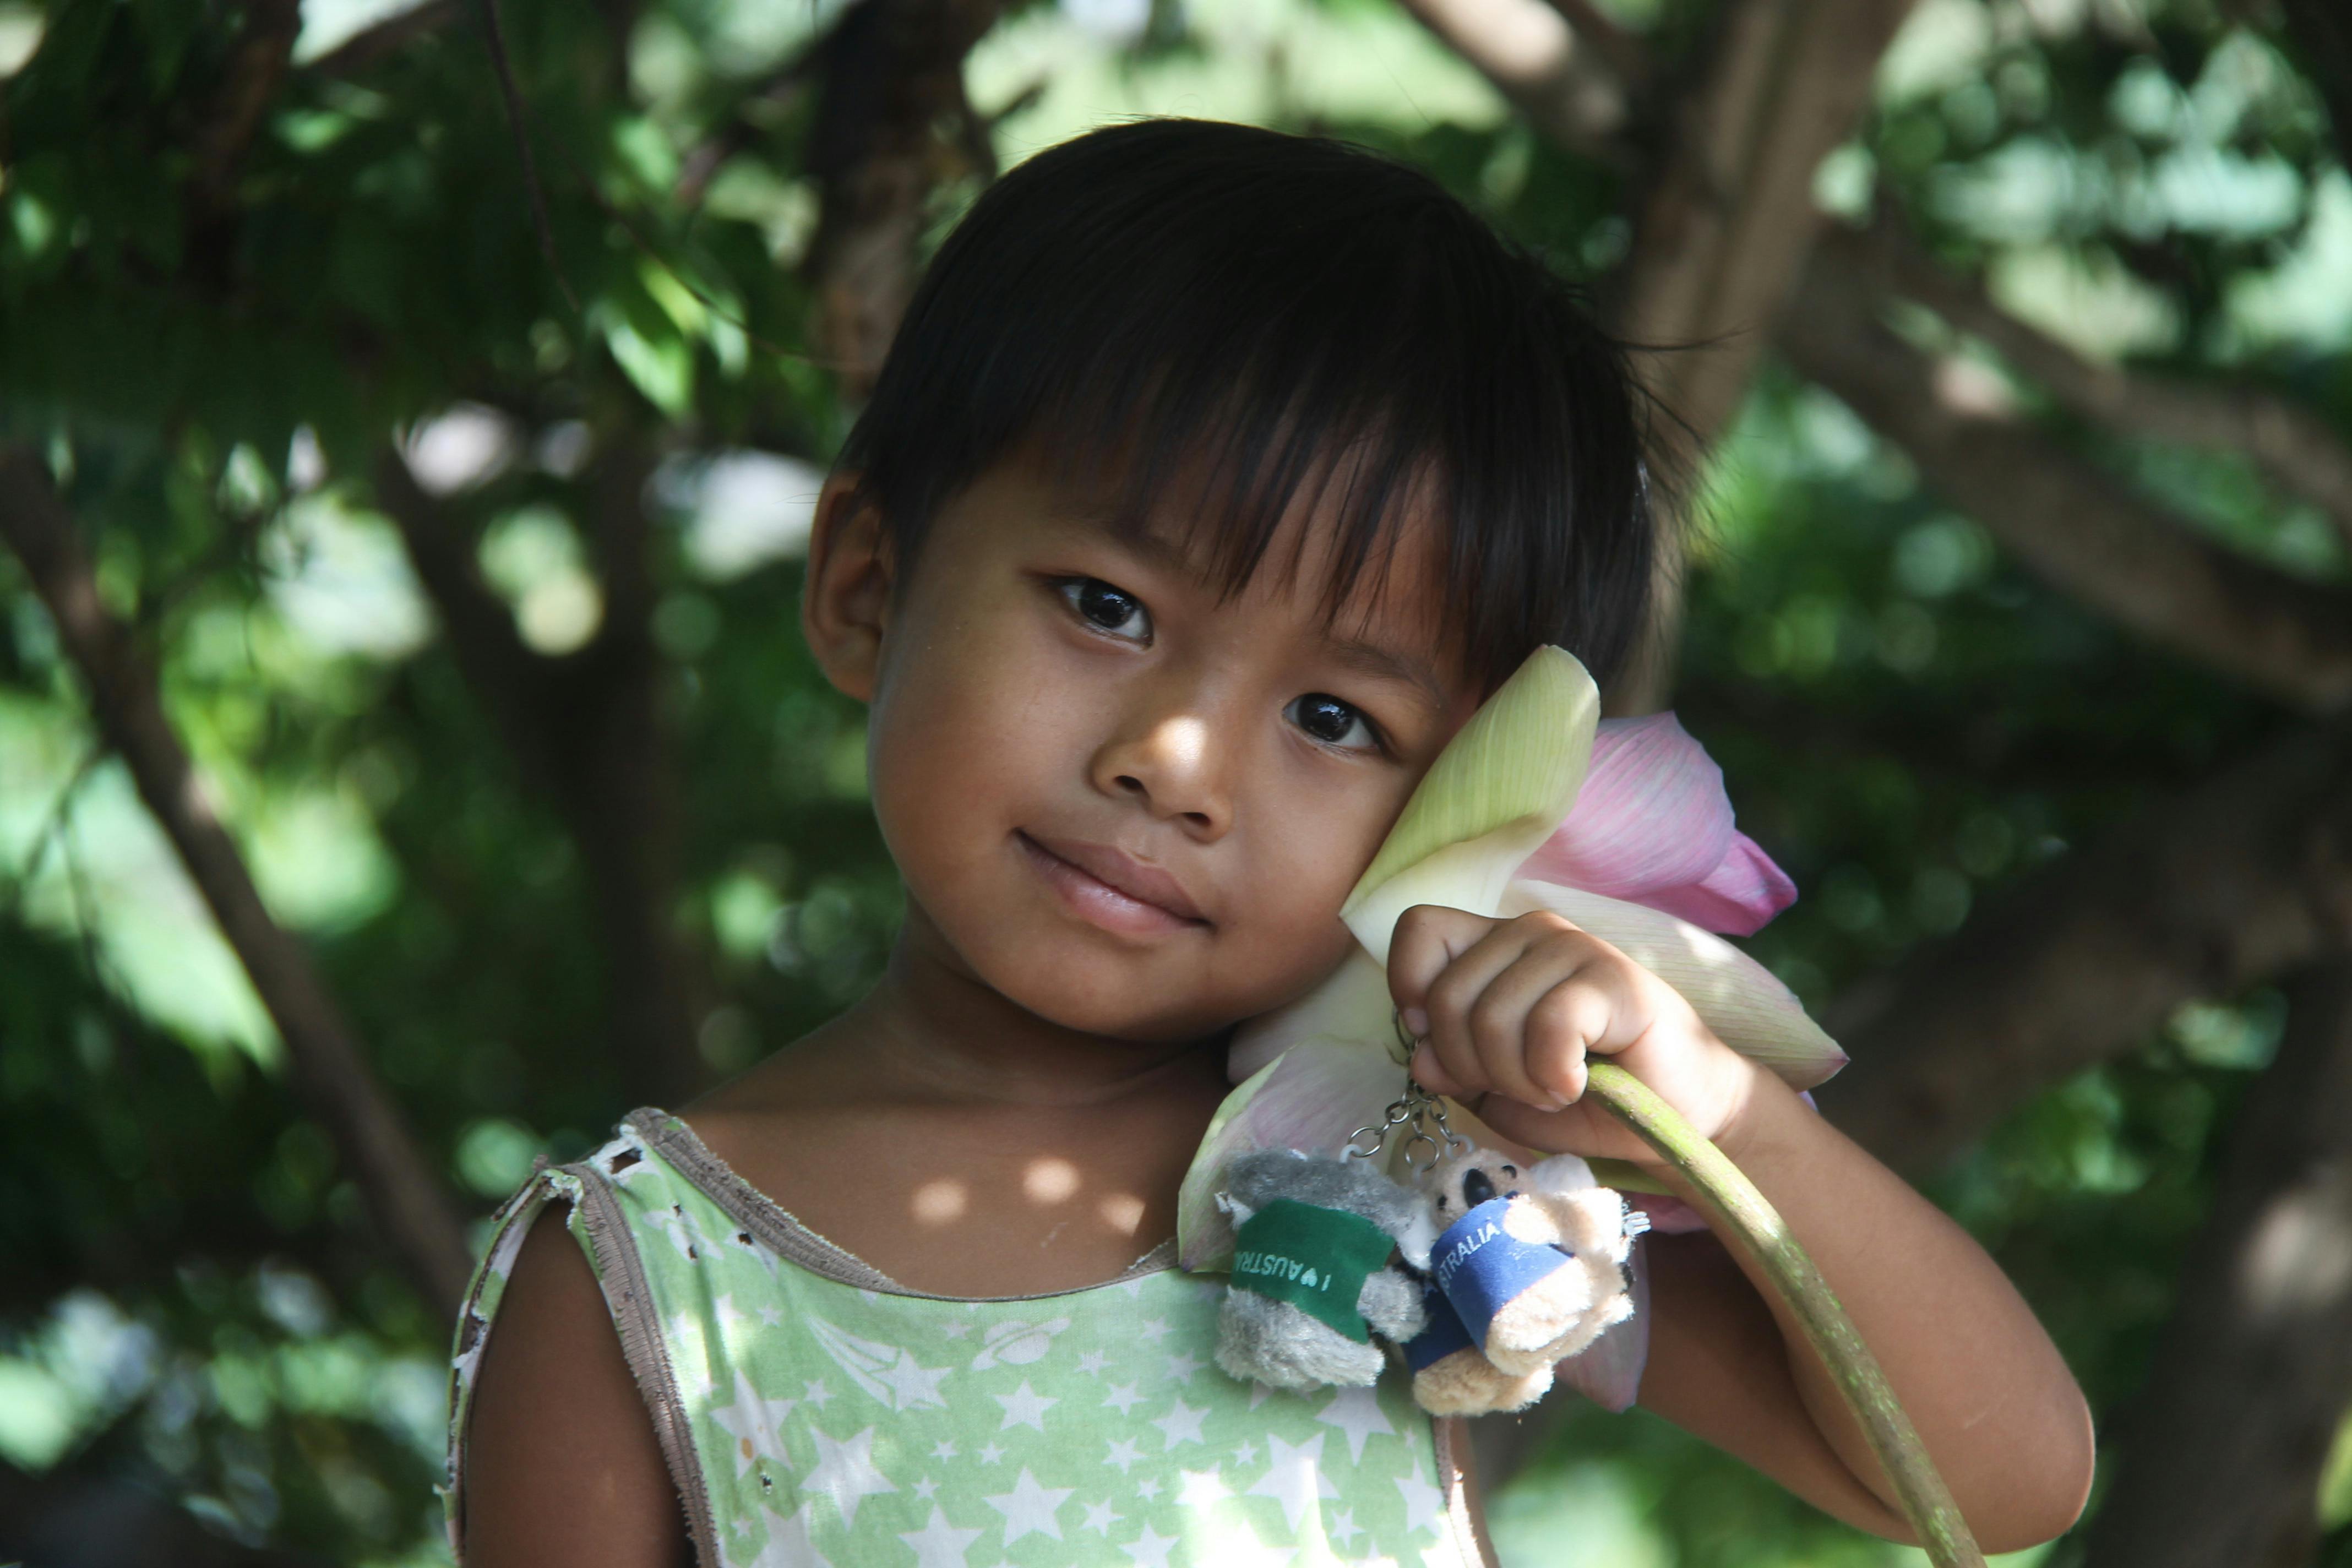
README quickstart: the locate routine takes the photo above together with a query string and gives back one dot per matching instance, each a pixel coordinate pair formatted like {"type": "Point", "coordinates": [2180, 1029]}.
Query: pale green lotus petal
{"type": "Point", "coordinates": [1310, 1098]}
{"type": "Point", "coordinates": [1352, 1004]}
{"type": "Point", "coordinates": [1496, 792]}
{"type": "Point", "coordinates": [1739, 998]}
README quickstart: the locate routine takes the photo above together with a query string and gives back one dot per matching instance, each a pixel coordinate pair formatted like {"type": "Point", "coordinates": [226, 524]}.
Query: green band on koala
{"type": "Point", "coordinates": [1313, 1257]}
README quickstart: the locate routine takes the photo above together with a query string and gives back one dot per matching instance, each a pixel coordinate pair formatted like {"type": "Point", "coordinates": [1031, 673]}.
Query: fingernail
{"type": "Point", "coordinates": [1416, 1022]}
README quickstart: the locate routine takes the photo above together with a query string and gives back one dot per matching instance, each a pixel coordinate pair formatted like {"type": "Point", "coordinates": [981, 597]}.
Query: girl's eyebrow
{"type": "Point", "coordinates": [1376, 659]}
{"type": "Point", "coordinates": [1382, 662]}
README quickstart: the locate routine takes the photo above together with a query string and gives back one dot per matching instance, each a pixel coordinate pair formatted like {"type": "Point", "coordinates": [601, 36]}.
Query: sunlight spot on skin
{"type": "Point", "coordinates": [937, 1203]}
{"type": "Point", "coordinates": [1049, 1180]}
{"type": "Point", "coordinates": [1124, 1211]}
{"type": "Point", "coordinates": [1186, 740]}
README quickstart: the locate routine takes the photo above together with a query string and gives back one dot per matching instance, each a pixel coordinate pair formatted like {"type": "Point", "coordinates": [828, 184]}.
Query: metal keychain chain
{"type": "Point", "coordinates": [1417, 1109]}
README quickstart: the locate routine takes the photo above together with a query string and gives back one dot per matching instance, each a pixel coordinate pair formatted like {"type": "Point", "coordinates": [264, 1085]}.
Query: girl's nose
{"type": "Point", "coordinates": [1171, 759]}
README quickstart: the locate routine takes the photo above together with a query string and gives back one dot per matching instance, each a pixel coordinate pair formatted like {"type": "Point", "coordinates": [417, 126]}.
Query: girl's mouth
{"type": "Point", "coordinates": [1097, 901]}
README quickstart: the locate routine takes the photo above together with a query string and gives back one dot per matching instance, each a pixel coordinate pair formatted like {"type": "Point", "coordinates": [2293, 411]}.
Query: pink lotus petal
{"type": "Point", "coordinates": [1310, 1098]}
{"type": "Point", "coordinates": [1608, 1371]}
{"type": "Point", "coordinates": [1653, 826]}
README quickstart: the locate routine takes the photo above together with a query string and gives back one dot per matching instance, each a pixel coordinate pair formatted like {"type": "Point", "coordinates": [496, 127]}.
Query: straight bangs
{"type": "Point", "coordinates": [1210, 326]}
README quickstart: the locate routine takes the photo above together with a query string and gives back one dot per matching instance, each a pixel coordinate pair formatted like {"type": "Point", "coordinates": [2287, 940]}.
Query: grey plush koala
{"type": "Point", "coordinates": [1312, 1270]}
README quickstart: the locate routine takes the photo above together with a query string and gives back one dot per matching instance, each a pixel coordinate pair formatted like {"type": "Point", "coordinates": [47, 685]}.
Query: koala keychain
{"type": "Point", "coordinates": [1528, 1267]}
{"type": "Point", "coordinates": [1527, 1271]}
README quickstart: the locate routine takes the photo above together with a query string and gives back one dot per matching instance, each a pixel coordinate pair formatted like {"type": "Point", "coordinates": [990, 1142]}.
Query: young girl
{"type": "Point", "coordinates": [1214, 478]}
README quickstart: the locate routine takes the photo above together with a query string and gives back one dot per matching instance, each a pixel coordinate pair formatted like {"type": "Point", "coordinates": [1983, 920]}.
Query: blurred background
{"type": "Point", "coordinates": [410, 416]}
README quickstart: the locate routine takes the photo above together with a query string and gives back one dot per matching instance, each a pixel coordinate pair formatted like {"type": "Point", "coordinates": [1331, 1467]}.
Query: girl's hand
{"type": "Point", "coordinates": [1510, 1008]}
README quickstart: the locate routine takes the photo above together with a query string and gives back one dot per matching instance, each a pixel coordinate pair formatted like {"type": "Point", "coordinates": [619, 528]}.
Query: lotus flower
{"type": "Point", "coordinates": [1624, 827]}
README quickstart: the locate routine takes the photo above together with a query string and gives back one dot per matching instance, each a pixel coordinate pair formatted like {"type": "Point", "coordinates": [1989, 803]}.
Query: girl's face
{"type": "Point", "coordinates": [1126, 809]}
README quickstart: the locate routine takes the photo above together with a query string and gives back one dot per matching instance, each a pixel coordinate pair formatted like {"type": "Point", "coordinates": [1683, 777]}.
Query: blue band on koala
{"type": "Point", "coordinates": [1444, 1335]}
{"type": "Point", "coordinates": [1482, 1268]}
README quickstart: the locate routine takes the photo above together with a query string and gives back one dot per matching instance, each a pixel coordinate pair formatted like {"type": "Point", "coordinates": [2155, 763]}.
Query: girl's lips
{"type": "Point", "coordinates": [1097, 901]}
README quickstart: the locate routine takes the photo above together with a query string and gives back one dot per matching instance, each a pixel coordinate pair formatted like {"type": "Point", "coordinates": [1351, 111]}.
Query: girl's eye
{"type": "Point", "coordinates": [1333, 722]}
{"type": "Point", "coordinates": [1107, 608]}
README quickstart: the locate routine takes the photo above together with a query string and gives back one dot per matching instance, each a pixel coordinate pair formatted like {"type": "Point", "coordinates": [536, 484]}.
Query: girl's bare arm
{"type": "Point", "coordinates": [1994, 1404]}
{"type": "Point", "coordinates": [562, 1465]}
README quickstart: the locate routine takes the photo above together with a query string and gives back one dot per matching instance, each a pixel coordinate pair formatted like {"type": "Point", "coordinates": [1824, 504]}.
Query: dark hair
{"type": "Point", "coordinates": [1179, 297]}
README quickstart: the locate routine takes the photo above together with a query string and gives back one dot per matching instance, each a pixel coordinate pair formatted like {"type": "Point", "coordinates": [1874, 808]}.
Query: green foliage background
{"type": "Point", "coordinates": [190, 1307]}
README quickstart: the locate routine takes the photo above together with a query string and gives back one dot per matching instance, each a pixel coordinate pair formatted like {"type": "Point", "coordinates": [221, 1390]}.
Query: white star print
{"type": "Point", "coordinates": [816, 1393]}
{"type": "Point", "coordinates": [939, 1544]}
{"type": "Point", "coordinates": [1122, 1454]}
{"type": "Point", "coordinates": [925, 1488]}
{"type": "Point", "coordinates": [943, 1449]}
{"type": "Point", "coordinates": [1029, 1508]}
{"type": "Point", "coordinates": [1121, 1395]}
{"type": "Point", "coordinates": [1259, 1394]}
{"type": "Point", "coordinates": [1180, 1368]}
{"type": "Point", "coordinates": [1150, 1549]}
{"type": "Point", "coordinates": [1246, 1454]}
{"type": "Point", "coordinates": [757, 1425]}
{"type": "Point", "coordinates": [1099, 1518]}
{"type": "Point", "coordinates": [886, 1372]}
{"type": "Point", "coordinates": [729, 1317]}
{"type": "Point", "coordinates": [1199, 1489]}
{"type": "Point", "coordinates": [1343, 1527]}
{"type": "Point", "coordinates": [955, 1331]}
{"type": "Point", "coordinates": [773, 1316]}
{"type": "Point", "coordinates": [1147, 1488]}
{"type": "Point", "coordinates": [1357, 1412]}
{"type": "Point", "coordinates": [1024, 1407]}
{"type": "Point", "coordinates": [1295, 1479]}
{"type": "Point", "coordinates": [846, 1473]}
{"type": "Point", "coordinates": [1422, 1502]}
{"type": "Point", "coordinates": [989, 1454]}
{"type": "Point", "coordinates": [788, 1543]}
{"type": "Point", "coordinates": [915, 1387]}
{"type": "Point", "coordinates": [1154, 1329]}
{"type": "Point", "coordinates": [1093, 1361]}
{"type": "Point", "coordinates": [1182, 1424]}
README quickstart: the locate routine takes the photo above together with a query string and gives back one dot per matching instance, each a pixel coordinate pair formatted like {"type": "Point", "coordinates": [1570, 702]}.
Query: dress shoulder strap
{"type": "Point", "coordinates": [611, 1198]}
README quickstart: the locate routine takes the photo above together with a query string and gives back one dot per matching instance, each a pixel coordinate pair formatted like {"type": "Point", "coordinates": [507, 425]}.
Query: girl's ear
{"type": "Point", "coordinates": [846, 598]}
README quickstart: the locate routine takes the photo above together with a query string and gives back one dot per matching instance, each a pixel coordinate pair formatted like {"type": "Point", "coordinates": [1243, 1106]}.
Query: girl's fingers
{"type": "Point", "coordinates": [1503, 1021]}
{"type": "Point", "coordinates": [1439, 961]}
{"type": "Point", "coordinates": [1566, 1023]}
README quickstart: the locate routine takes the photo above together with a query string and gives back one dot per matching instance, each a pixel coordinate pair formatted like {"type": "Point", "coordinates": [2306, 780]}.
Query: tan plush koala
{"type": "Point", "coordinates": [1532, 1261]}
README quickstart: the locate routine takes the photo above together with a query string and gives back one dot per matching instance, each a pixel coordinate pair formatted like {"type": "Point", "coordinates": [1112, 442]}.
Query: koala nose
{"type": "Point", "coordinates": [1477, 1187]}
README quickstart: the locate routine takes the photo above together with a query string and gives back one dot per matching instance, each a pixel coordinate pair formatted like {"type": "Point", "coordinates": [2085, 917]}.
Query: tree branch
{"type": "Point", "coordinates": [587, 731]}
{"type": "Point", "coordinates": [404, 1193]}
{"type": "Point", "coordinates": [1730, 218]}
{"type": "Point", "coordinates": [885, 135]}
{"type": "Point", "coordinates": [2245, 877]}
{"type": "Point", "coordinates": [1721, 241]}
{"type": "Point", "coordinates": [2221, 1457]}
{"type": "Point", "coordinates": [2079, 527]}
{"type": "Point", "coordinates": [362, 49]}
{"type": "Point", "coordinates": [257, 65]}
{"type": "Point", "coordinates": [1527, 49]}
{"type": "Point", "coordinates": [2298, 449]}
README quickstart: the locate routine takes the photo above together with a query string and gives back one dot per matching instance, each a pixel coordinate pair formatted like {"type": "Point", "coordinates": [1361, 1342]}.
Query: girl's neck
{"type": "Point", "coordinates": [938, 1031]}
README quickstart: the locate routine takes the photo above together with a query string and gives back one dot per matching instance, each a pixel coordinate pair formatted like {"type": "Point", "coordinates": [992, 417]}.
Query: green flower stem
{"type": "Point", "coordinates": [1926, 1502]}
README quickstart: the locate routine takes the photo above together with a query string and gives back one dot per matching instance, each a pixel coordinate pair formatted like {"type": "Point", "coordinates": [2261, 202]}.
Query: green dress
{"type": "Point", "coordinates": [812, 1411]}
